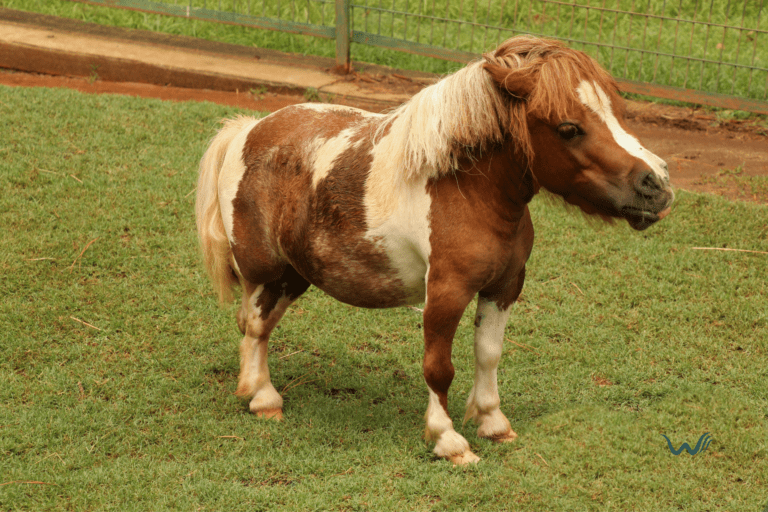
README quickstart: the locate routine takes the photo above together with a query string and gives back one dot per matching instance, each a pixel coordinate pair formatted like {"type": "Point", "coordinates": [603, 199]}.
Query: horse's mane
{"type": "Point", "coordinates": [467, 112]}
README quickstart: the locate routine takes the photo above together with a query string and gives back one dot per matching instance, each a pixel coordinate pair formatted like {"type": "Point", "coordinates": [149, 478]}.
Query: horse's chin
{"type": "Point", "coordinates": [643, 219]}
{"type": "Point", "coordinates": [639, 219]}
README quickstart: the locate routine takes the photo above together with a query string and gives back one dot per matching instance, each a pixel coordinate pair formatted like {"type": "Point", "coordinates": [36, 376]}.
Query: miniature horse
{"type": "Point", "coordinates": [427, 203]}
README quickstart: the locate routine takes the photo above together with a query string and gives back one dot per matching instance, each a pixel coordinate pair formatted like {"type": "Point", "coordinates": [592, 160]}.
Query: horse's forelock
{"type": "Point", "coordinates": [558, 71]}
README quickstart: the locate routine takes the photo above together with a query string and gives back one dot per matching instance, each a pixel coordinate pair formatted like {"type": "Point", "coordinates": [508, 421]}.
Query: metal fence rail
{"type": "Point", "coordinates": [310, 17]}
{"type": "Point", "coordinates": [703, 51]}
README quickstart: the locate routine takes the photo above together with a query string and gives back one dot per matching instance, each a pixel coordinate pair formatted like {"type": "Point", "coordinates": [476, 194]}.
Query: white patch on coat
{"type": "Point", "coordinates": [325, 107]}
{"type": "Point", "coordinates": [326, 151]}
{"type": "Point", "coordinates": [404, 233]}
{"type": "Point", "coordinates": [595, 99]}
{"type": "Point", "coordinates": [230, 175]}
{"type": "Point", "coordinates": [383, 180]}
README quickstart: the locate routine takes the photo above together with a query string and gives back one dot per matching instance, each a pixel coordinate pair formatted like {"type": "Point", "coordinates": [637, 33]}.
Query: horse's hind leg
{"type": "Point", "coordinates": [262, 308]}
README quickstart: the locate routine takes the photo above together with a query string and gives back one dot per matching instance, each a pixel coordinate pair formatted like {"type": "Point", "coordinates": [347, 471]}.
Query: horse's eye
{"type": "Point", "coordinates": [568, 131]}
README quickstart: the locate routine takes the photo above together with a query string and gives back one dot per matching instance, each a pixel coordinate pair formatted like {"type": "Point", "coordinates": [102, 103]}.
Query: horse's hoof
{"type": "Point", "coordinates": [270, 414]}
{"type": "Point", "coordinates": [507, 437]}
{"type": "Point", "coordinates": [463, 459]}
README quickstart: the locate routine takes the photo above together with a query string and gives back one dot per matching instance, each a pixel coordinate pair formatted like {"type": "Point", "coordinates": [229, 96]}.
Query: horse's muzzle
{"type": "Point", "coordinates": [651, 202]}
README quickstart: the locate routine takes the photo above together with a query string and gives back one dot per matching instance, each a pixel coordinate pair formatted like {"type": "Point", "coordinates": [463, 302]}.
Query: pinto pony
{"type": "Point", "coordinates": [427, 203]}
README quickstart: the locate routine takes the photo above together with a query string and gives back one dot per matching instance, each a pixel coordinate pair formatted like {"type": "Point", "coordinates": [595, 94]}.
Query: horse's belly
{"type": "Point", "coordinates": [383, 292]}
{"type": "Point", "coordinates": [367, 274]}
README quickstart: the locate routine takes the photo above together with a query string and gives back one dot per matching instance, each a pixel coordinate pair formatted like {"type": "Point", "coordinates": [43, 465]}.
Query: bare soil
{"type": "Point", "coordinates": [705, 153]}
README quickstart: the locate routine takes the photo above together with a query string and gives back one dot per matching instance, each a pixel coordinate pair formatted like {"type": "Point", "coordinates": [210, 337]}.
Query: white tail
{"type": "Point", "coordinates": [210, 227]}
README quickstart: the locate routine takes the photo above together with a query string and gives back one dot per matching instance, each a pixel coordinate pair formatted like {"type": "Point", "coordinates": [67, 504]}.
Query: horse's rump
{"type": "Point", "coordinates": [210, 223]}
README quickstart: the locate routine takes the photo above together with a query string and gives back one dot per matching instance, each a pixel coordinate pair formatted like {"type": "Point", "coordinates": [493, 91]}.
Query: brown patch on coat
{"type": "Point", "coordinates": [355, 269]}
{"type": "Point", "coordinates": [289, 285]}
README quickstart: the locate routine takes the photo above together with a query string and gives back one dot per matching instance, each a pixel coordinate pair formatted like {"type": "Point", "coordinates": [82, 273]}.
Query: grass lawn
{"type": "Point", "coordinates": [118, 366]}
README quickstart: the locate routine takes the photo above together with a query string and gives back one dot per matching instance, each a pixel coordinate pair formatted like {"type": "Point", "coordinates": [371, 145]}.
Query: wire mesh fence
{"type": "Point", "coordinates": [701, 50]}
{"type": "Point", "coordinates": [455, 29]}
{"type": "Point", "coordinates": [710, 46]}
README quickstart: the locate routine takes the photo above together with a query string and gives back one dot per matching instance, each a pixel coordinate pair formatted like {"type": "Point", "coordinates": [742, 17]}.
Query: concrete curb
{"type": "Point", "coordinates": [38, 43]}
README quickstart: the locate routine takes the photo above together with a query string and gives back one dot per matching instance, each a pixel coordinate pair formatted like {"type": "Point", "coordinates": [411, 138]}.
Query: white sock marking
{"type": "Point", "coordinates": [483, 402]}
{"type": "Point", "coordinates": [440, 429]}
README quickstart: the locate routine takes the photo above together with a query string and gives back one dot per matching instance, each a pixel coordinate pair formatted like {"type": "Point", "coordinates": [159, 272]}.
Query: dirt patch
{"type": "Point", "coordinates": [388, 82]}
{"type": "Point", "coordinates": [705, 152]}
{"type": "Point", "coordinates": [264, 102]}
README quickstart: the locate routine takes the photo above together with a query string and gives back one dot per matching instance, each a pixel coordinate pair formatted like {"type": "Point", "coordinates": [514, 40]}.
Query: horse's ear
{"type": "Point", "coordinates": [517, 82]}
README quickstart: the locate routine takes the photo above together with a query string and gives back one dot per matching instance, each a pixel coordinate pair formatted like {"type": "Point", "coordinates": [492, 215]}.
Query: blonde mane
{"type": "Point", "coordinates": [467, 112]}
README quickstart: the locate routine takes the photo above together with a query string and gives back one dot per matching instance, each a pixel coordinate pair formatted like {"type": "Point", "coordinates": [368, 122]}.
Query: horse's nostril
{"type": "Point", "coordinates": [649, 184]}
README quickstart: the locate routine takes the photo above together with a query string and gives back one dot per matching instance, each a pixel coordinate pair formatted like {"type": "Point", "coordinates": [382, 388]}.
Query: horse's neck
{"type": "Point", "coordinates": [485, 189]}
{"type": "Point", "coordinates": [498, 173]}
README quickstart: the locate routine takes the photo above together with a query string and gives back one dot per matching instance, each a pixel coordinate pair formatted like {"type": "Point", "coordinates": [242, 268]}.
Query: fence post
{"type": "Point", "coordinates": [342, 36]}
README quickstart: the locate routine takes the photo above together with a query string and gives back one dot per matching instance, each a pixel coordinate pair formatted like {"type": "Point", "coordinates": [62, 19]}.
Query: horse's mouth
{"type": "Point", "coordinates": [640, 214]}
{"type": "Point", "coordinates": [642, 219]}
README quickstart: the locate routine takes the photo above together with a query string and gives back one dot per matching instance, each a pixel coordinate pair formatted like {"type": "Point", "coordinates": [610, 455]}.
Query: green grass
{"type": "Point", "coordinates": [682, 44]}
{"type": "Point", "coordinates": [619, 337]}
{"type": "Point", "coordinates": [740, 185]}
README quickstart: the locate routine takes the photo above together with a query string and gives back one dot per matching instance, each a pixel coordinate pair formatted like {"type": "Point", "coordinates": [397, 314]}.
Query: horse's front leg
{"type": "Point", "coordinates": [483, 403]}
{"type": "Point", "coordinates": [442, 314]}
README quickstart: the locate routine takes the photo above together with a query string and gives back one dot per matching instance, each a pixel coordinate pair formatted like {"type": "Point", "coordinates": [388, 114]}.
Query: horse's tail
{"type": "Point", "coordinates": [210, 226]}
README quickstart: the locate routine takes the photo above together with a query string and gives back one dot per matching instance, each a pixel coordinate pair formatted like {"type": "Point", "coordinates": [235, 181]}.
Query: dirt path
{"type": "Point", "coordinates": [704, 154]}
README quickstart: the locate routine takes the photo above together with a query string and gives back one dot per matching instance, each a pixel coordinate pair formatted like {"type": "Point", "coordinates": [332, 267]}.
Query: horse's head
{"type": "Point", "coordinates": [589, 157]}
{"type": "Point", "coordinates": [567, 121]}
